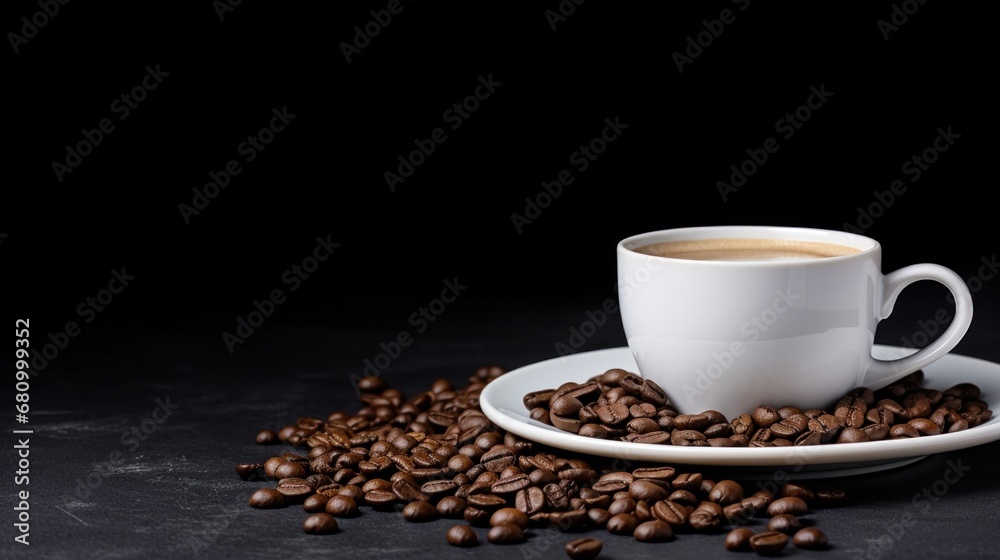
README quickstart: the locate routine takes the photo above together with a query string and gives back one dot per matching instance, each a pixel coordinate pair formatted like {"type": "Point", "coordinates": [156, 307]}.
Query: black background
{"type": "Point", "coordinates": [323, 175]}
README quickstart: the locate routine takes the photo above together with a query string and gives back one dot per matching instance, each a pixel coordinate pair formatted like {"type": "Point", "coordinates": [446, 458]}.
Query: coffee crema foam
{"type": "Point", "coordinates": [746, 249]}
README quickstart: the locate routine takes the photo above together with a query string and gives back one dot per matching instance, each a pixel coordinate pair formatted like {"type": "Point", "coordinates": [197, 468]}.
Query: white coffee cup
{"type": "Point", "coordinates": [732, 334]}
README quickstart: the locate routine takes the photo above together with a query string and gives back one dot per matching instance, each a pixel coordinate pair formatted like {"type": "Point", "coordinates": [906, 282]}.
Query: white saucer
{"type": "Point", "coordinates": [502, 402]}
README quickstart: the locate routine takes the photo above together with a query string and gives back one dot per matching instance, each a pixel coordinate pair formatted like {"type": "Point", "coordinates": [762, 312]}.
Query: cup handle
{"type": "Point", "coordinates": [883, 372]}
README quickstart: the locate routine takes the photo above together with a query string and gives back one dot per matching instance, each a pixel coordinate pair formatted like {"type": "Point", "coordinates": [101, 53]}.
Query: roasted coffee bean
{"type": "Point", "coordinates": [622, 524]}
{"type": "Point", "coordinates": [691, 422]}
{"type": "Point", "coordinates": [850, 412]}
{"type": "Point", "coordinates": [791, 427]}
{"type": "Point", "coordinates": [477, 516]}
{"type": "Point", "coordinates": [462, 535]}
{"type": "Point", "coordinates": [770, 542]}
{"type": "Point", "coordinates": [565, 406]}
{"type": "Point", "coordinates": [739, 513]}
{"type": "Point", "coordinates": [810, 538]}
{"type": "Point", "coordinates": [599, 516]}
{"type": "Point", "coordinates": [670, 512]}
{"type": "Point", "coordinates": [380, 499]}
{"type": "Point", "coordinates": [249, 471]}
{"type": "Point", "coordinates": [653, 531]}
{"type": "Point", "coordinates": [586, 548]}
{"type": "Point", "coordinates": [342, 506]}
{"type": "Point", "coordinates": [687, 437]}
{"type": "Point", "coordinates": [555, 497]}
{"type": "Point", "coordinates": [852, 435]}
{"type": "Point", "coordinates": [294, 489]}
{"type": "Point", "coordinates": [925, 426]}
{"type": "Point", "coordinates": [511, 484]}
{"type": "Point", "coordinates": [795, 490]}
{"type": "Point", "coordinates": [657, 437]}
{"type": "Point", "coordinates": [789, 505]}
{"type": "Point", "coordinates": [829, 498]}
{"type": "Point", "coordinates": [419, 512]}
{"type": "Point", "coordinates": [530, 500]}
{"type": "Point", "coordinates": [498, 458]}
{"type": "Point", "coordinates": [407, 491]}
{"type": "Point", "coordinates": [707, 516]}
{"type": "Point", "coordinates": [664, 473]}
{"type": "Point", "coordinates": [764, 416]}
{"type": "Point", "coordinates": [315, 503]}
{"type": "Point", "coordinates": [271, 465]}
{"type": "Point", "coordinates": [876, 432]}
{"type": "Point", "coordinates": [570, 521]}
{"type": "Point", "coordinates": [903, 431]}
{"type": "Point", "coordinates": [784, 523]}
{"type": "Point", "coordinates": [505, 534]}
{"type": "Point", "coordinates": [451, 506]}
{"type": "Point", "coordinates": [488, 502]}
{"type": "Point", "coordinates": [647, 490]}
{"type": "Point", "coordinates": [622, 505]}
{"type": "Point", "coordinates": [267, 498]}
{"type": "Point", "coordinates": [319, 524]}
{"type": "Point", "coordinates": [726, 492]}
{"type": "Point", "coordinates": [683, 497]}
{"type": "Point", "coordinates": [577, 475]}
{"type": "Point", "coordinates": [918, 405]}
{"type": "Point", "coordinates": [738, 539]}
{"type": "Point", "coordinates": [267, 437]}
{"type": "Point", "coordinates": [964, 391]}
{"type": "Point", "coordinates": [509, 515]}
{"type": "Point", "coordinates": [687, 481]}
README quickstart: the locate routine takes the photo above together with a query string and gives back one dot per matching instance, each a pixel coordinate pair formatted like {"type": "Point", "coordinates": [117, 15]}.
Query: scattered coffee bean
{"type": "Point", "coordinates": [462, 535]}
{"type": "Point", "coordinates": [770, 542]}
{"type": "Point", "coordinates": [790, 505]}
{"type": "Point", "coordinates": [586, 548]}
{"type": "Point", "coordinates": [315, 503]}
{"type": "Point", "coordinates": [810, 538]}
{"type": "Point", "coordinates": [738, 539]}
{"type": "Point", "coordinates": [653, 531]}
{"type": "Point", "coordinates": [267, 498]}
{"type": "Point", "coordinates": [419, 511]}
{"type": "Point", "coordinates": [784, 523]}
{"type": "Point", "coordinates": [267, 437]}
{"type": "Point", "coordinates": [622, 524]}
{"type": "Point", "coordinates": [342, 506]}
{"type": "Point", "coordinates": [320, 524]}
{"type": "Point", "coordinates": [505, 533]}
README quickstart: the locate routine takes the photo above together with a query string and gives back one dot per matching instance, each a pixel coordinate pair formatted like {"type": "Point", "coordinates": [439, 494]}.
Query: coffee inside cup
{"type": "Point", "coordinates": [746, 249]}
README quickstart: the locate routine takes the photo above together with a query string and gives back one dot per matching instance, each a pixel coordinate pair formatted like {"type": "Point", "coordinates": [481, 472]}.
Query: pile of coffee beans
{"type": "Point", "coordinates": [435, 455]}
{"type": "Point", "coordinates": [621, 405]}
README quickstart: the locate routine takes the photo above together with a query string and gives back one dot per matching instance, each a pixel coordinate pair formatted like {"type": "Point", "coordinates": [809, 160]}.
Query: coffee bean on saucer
{"type": "Point", "coordinates": [586, 548]}
{"type": "Point", "coordinates": [462, 536]}
{"type": "Point", "coordinates": [320, 524]}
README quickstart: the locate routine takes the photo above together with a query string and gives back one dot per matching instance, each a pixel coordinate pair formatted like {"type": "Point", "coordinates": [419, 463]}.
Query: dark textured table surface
{"type": "Point", "coordinates": [174, 494]}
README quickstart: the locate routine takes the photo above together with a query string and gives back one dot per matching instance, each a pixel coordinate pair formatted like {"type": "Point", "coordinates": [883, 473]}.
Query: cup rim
{"type": "Point", "coordinates": [866, 245]}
